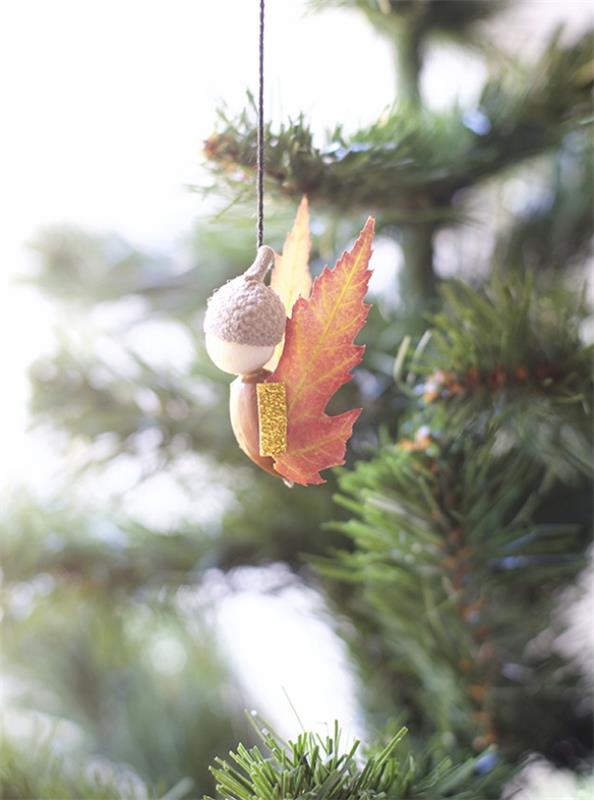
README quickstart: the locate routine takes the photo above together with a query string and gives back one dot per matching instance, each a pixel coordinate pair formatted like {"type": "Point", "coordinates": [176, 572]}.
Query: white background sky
{"type": "Point", "coordinates": [105, 105]}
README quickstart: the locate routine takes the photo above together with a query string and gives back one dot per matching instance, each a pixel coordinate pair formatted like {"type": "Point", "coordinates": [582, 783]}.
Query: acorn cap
{"type": "Point", "coordinates": [245, 310]}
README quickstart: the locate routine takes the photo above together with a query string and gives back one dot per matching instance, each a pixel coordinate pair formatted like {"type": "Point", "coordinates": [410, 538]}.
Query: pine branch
{"type": "Point", "coordinates": [317, 767]}
{"type": "Point", "coordinates": [509, 358]}
{"type": "Point", "coordinates": [449, 533]}
{"type": "Point", "coordinates": [409, 166]}
{"type": "Point", "coordinates": [466, 520]}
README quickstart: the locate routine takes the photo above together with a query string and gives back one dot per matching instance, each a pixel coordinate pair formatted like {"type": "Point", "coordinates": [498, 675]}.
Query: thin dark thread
{"type": "Point", "coordinates": [260, 139]}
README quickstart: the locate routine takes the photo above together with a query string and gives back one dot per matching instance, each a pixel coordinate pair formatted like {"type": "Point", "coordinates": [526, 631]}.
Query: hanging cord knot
{"type": "Point", "coordinates": [262, 263]}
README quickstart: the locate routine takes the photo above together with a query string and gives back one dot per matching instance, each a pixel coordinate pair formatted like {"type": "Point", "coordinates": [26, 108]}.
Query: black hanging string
{"type": "Point", "coordinates": [260, 137]}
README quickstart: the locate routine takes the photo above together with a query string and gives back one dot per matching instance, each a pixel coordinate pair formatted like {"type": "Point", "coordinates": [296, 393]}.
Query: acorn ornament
{"type": "Point", "coordinates": [278, 399]}
{"type": "Point", "coordinates": [245, 319]}
{"type": "Point", "coordinates": [244, 322]}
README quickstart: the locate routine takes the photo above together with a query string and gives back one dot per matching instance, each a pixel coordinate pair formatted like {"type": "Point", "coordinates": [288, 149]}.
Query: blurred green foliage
{"type": "Point", "coordinates": [462, 513]}
{"type": "Point", "coordinates": [32, 770]}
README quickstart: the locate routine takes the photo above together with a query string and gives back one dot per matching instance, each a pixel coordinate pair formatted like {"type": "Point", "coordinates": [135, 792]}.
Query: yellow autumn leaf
{"type": "Point", "coordinates": [291, 278]}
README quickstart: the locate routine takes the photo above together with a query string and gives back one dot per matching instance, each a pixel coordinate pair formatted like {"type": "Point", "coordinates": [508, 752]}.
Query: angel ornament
{"type": "Point", "coordinates": [278, 400]}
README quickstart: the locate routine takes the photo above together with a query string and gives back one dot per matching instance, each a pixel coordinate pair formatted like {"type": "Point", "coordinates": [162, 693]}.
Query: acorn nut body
{"type": "Point", "coordinates": [245, 320]}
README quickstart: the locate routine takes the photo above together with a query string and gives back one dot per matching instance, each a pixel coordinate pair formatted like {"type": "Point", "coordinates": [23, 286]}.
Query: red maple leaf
{"type": "Point", "coordinates": [317, 360]}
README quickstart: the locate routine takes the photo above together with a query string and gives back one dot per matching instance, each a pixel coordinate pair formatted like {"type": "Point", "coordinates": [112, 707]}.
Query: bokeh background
{"type": "Point", "coordinates": [155, 585]}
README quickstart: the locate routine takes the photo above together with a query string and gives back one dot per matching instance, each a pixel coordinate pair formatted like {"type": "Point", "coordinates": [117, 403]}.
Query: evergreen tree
{"type": "Point", "coordinates": [445, 543]}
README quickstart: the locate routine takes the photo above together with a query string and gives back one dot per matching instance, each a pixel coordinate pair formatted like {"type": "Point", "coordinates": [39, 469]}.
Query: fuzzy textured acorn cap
{"type": "Point", "coordinates": [245, 310]}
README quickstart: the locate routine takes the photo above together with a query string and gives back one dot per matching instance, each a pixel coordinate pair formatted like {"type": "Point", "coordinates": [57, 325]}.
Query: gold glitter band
{"type": "Point", "coordinates": [272, 418]}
